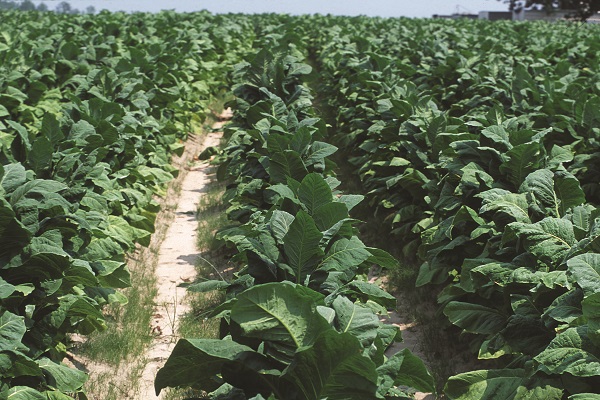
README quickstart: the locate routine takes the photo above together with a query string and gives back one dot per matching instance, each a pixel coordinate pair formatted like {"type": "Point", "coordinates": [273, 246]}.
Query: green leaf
{"type": "Point", "coordinates": [6, 289]}
{"type": "Point", "coordinates": [475, 318]}
{"type": "Point", "coordinates": [585, 269]}
{"type": "Point", "coordinates": [314, 192]}
{"type": "Point", "coordinates": [333, 367]}
{"type": "Point", "coordinates": [503, 201]}
{"type": "Point", "coordinates": [197, 363]}
{"type": "Point", "coordinates": [51, 130]}
{"type": "Point", "coordinates": [351, 200]}
{"type": "Point", "coordinates": [14, 177]}
{"type": "Point", "coordinates": [360, 321]}
{"type": "Point", "coordinates": [405, 369]}
{"type": "Point", "coordinates": [329, 215]}
{"type": "Point", "coordinates": [557, 191]}
{"type": "Point", "coordinates": [498, 135]}
{"type": "Point", "coordinates": [506, 384]}
{"type": "Point", "coordinates": [319, 151]}
{"type": "Point", "coordinates": [522, 160]}
{"type": "Point", "coordinates": [570, 352]}
{"type": "Point", "coordinates": [280, 224]}
{"type": "Point", "coordinates": [40, 156]}
{"type": "Point", "coordinates": [382, 258]}
{"type": "Point", "coordinates": [301, 245]}
{"type": "Point", "coordinates": [13, 235]}
{"type": "Point", "coordinates": [550, 239]}
{"type": "Point", "coordinates": [22, 393]}
{"type": "Point", "coordinates": [345, 254]}
{"type": "Point", "coordinates": [370, 291]}
{"type": "Point", "coordinates": [12, 329]}
{"type": "Point", "coordinates": [282, 315]}
{"type": "Point", "coordinates": [62, 377]}
{"type": "Point", "coordinates": [286, 164]}
{"type": "Point", "coordinates": [208, 286]}
{"type": "Point", "coordinates": [591, 311]}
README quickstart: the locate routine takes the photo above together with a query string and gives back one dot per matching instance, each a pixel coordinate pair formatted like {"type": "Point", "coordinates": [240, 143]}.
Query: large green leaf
{"type": "Point", "coordinates": [522, 160]}
{"type": "Point", "coordinates": [14, 177]}
{"type": "Point", "coordinates": [334, 368]}
{"type": "Point", "coordinates": [571, 352]}
{"type": "Point", "coordinates": [314, 192]}
{"type": "Point", "coordinates": [475, 318]}
{"type": "Point", "coordinates": [370, 291]}
{"type": "Point", "coordinates": [500, 200]}
{"type": "Point", "coordinates": [12, 329]}
{"type": "Point", "coordinates": [287, 164]}
{"type": "Point", "coordinates": [22, 393]}
{"type": "Point", "coordinates": [585, 269]}
{"type": "Point", "coordinates": [405, 369]}
{"type": "Point", "coordinates": [301, 245]}
{"type": "Point", "coordinates": [591, 311]}
{"type": "Point", "coordinates": [345, 254]}
{"type": "Point", "coordinates": [358, 320]}
{"type": "Point", "coordinates": [557, 191]}
{"type": "Point", "coordinates": [550, 239]}
{"type": "Point", "coordinates": [51, 129]}
{"type": "Point", "coordinates": [13, 235]}
{"type": "Point", "coordinates": [280, 224]}
{"type": "Point", "coordinates": [62, 377]}
{"type": "Point", "coordinates": [318, 151]}
{"type": "Point", "coordinates": [40, 156]}
{"type": "Point", "coordinates": [282, 315]}
{"type": "Point", "coordinates": [503, 384]}
{"type": "Point", "coordinates": [197, 363]}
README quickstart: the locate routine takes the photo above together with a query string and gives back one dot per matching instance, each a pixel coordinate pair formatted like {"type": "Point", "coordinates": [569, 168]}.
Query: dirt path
{"type": "Point", "coordinates": [176, 262]}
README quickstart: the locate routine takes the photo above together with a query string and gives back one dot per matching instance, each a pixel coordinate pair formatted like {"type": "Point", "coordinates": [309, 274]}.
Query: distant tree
{"type": "Point", "coordinates": [42, 7]}
{"type": "Point", "coordinates": [64, 8]}
{"type": "Point", "coordinates": [7, 5]}
{"type": "Point", "coordinates": [27, 5]}
{"type": "Point", "coordinates": [583, 9]}
{"type": "Point", "coordinates": [90, 10]}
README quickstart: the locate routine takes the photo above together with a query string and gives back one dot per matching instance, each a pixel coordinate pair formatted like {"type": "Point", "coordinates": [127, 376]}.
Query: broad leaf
{"type": "Point", "coordinates": [508, 384]}
{"type": "Point", "coordinates": [314, 192]}
{"type": "Point", "coordinates": [585, 269]}
{"type": "Point", "coordinates": [475, 318]}
{"type": "Point", "coordinates": [282, 315]}
{"type": "Point", "coordinates": [571, 352]}
{"type": "Point", "coordinates": [550, 239]}
{"type": "Point", "coordinates": [358, 320]}
{"type": "Point", "coordinates": [301, 245]}
{"type": "Point", "coordinates": [333, 367]}
{"type": "Point", "coordinates": [345, 254]}
{"type": "Point", "coordinates": [197, 363]}
{"type": "Point", "coordinates": [405, 369]}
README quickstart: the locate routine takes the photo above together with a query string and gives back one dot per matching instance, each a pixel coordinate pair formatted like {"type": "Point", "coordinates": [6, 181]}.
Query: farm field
{"type": "Point", "coordinates": [473, 145]}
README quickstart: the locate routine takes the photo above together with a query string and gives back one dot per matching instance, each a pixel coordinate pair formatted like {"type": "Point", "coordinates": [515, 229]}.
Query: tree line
{"type": "Point", "coordinates": [63, 7]}
{"type": "Point", "coordinates": [582, 9]}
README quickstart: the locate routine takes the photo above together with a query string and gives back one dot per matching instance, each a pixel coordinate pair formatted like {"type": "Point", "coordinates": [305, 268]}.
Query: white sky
{"type": "Point", "coordinates": [384, 8]}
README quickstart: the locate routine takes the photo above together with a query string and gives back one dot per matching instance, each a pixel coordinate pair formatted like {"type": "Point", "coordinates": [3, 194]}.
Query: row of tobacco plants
{"type": "Point", "coordinates": [91, 110]}
{"type": "Point", "coordinates": [300, 320]}
{"type": "Point", "coordinates": [477, 142]}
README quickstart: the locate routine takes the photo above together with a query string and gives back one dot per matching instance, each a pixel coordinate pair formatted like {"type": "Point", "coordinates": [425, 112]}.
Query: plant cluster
{"type": "Point", "coordinates": [300, 320]}
{"type": "Point", "coordinates": [482, 146]}
{"type": "Point", "coordinates": [91, 110]}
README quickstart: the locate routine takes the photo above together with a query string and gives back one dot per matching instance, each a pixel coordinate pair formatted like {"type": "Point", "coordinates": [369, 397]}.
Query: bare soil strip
{"type": "Point", "coordinates": [177, 258]}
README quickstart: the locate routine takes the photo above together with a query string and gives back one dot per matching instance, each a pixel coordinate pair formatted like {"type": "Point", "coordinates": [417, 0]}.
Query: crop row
{"type": "Point", "coordinates": [91, 110]}
{"type": "Point", "coordinates": [300, 319]}
{"type": "Point", "coordinates": [478, 143]}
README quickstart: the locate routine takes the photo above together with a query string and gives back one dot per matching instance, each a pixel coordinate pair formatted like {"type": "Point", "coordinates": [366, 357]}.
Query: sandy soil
{"type": "Point", "coordinates": [411, 332]}
{"type": "Point", "coordinates": [176, 264]}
